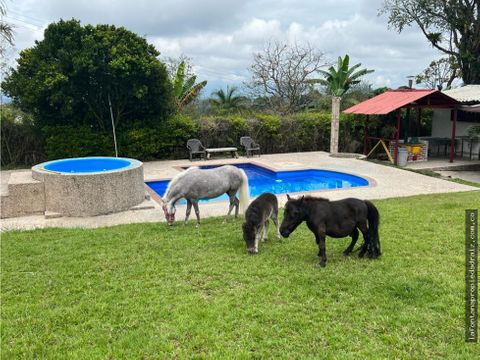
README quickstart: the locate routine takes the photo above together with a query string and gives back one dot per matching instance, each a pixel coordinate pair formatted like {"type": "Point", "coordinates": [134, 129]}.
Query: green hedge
{"type": "Point", "coordinates": [167, 139]}
{"type": "Point", "coordinates": [293, 133]}
{"type": "Point", "coordinates": [72, 141]}
{"type": "Point", "coordinates": [158, 142]}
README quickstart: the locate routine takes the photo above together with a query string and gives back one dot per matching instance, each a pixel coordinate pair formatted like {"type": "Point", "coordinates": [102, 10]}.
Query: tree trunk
{"type": "Point", "coordinates": [471, 71]}
{"type": "Point", "coordinates": [335, 125]}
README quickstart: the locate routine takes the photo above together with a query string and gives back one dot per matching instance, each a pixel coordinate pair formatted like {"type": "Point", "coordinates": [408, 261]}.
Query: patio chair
{"type": "Point", "coordinates": [250, 145]}
{"type": "Point", "coordinates": [195, 147]}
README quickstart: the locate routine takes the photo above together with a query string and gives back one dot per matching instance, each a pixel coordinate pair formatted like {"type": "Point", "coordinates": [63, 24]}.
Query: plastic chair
{"type": "Point", "coordinates": [250, 145]}
{"type": "Point", "coordinates": [195, 147]}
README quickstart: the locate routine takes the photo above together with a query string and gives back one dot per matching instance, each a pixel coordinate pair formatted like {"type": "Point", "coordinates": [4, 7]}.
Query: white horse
{"type": "Point", "coordinates": [194, 184]}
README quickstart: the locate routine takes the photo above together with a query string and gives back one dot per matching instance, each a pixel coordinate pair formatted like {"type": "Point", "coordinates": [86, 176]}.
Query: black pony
{"type": "Point", "coordinates": [336, 219]}
{"type": "Point", "coordinates": [262, 209]}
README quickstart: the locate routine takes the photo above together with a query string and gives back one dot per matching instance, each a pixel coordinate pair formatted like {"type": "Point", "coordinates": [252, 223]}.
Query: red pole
{"type": "Point", "coordinates": [452, 140]}
{"type": "Point", "coordinates": [365, 142]}
{"type": "Point", "coordinates": [397, 136]}
{"type": "Point", "coordinates": [419, 115]}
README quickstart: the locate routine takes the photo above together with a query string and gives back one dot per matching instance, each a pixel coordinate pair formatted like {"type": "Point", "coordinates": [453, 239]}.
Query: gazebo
{"type": "Point", "coordinates": [395, 100]}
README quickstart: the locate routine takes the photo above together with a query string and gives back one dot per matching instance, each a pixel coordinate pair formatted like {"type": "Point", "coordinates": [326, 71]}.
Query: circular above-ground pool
{"type": "Point", "coordinates": [87, 165]}
{"type": "Point", "coordinates": [91, 185]}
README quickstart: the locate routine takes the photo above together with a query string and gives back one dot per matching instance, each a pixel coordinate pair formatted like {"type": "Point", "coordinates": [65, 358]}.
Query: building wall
{"type": "Point", "coordinates": [442, 128]}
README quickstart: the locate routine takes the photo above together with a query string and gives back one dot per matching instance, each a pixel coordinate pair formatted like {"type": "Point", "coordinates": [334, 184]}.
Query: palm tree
{"type": "Point", "coordinates": [184, 87]}
{"type": "Point", "coordinates": [338, 81]}
{"type": "Point", "coordinates": [6, 29]}
{"type": "Point", "coordinates": [227, 101]}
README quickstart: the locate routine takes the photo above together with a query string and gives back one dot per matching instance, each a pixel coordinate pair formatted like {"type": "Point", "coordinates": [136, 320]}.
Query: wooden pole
{"type": "Point", "coordinates": [365, 141]}
{"type": "Point", "coordinates": [454, 129]}
{"type": "Point", "coordinates": [397, 137]}
{"type": "Point", "coordinates": [113, 126]}
{"type": "Point", "coordinates": [407, 126]}
{"type": "Point", "coordinates": [419, 117]}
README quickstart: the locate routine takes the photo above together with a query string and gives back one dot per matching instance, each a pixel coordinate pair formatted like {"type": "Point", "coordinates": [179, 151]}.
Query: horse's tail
{"type": "Point", "coordinates": [373, 216]}
{"type": "Point", "coordinates": [244, 197]}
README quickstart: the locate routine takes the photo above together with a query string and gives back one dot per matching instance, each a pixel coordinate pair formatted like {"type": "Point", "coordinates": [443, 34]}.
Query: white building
{"type": "Point", "coordinates": [468, 115]}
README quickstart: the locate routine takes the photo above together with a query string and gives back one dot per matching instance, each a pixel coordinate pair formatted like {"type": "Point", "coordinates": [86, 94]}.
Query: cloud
{"type": "Point", "coordinates": [221, 36]}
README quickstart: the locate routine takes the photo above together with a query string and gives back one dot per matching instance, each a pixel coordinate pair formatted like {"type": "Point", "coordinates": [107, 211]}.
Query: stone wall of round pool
{"type": "Point", "coordinates": [76, 191]}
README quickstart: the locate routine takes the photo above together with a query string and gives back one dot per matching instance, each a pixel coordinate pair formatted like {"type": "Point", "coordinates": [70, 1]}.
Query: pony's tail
{"type": "Point", "coordinates": [373, 248]}
{"type": "Point", "coordinates": [243, 194]}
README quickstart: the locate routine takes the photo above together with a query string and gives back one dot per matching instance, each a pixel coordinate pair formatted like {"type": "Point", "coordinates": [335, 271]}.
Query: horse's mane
{"type": "Point", "coordinates": [177, 178]}
{"type": "Point", "coordinates": [311, 198]}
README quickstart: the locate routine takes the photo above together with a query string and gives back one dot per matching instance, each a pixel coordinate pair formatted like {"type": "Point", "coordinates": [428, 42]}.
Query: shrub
{"type": "Point", "coordinates": [164, 141]}
{"type": "Point", "coordinates": [21, 143]}
{"type": "Point", "coordinates": [297, 132]}
{"type": "Point", "coordinates": [72, 141]}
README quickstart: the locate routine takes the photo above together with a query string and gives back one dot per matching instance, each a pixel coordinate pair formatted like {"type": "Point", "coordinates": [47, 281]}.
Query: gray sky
{"type": "Point", "coordinates": [221, 36]}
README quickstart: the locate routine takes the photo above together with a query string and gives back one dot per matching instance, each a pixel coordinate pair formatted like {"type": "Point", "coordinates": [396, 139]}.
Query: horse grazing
{"type": "Point", "coordinates": [336, 219]}
{"type": "Point", "coordinates": [262, 209]}
{"type": "Point", "coordinates": [194, 184]}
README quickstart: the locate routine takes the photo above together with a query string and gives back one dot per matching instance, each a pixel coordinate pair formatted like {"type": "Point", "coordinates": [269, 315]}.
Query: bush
{"type": "Point", "coordinates": [167, 139]}
{"type": "Point", "coordinates": [164, 141]}
{"type": "Point", "coordinates": [21, 143]}
{"type": "Point", "coordinates": [297, 132]}
{"type": "Point", "coordinates": [74, 141]}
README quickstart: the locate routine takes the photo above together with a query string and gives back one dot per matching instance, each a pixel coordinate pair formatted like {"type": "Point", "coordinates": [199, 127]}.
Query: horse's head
{"type": "Point", "coordinates": [169, 211]}
{"type": "Point", "coordinates": [293, 216]}
{"type": "Point", "coordinates": [249, 237]}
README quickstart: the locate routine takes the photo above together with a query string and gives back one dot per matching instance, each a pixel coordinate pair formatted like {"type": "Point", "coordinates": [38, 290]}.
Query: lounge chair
{"type": "Point", "coordinates": [250, 145]}
{"type": "Point", "coordinates": [195, 147]}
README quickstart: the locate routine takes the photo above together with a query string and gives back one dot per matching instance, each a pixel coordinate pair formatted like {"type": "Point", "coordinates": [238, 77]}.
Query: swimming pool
{"type": "Point", "coordinates": [88, 164]}
{"type": "Point", "coordinates": [90, 186]}
{"type": "Point", "coordinates": [263, 180]}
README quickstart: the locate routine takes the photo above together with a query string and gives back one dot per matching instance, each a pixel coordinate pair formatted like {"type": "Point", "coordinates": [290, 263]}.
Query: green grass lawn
{"type": "Point", "coordinates": [147, 291]}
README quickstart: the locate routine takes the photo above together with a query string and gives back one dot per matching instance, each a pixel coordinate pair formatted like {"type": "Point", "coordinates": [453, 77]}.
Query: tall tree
{"type": "Point", "coordinates": [440, 74]}
{"type": "Point", "coordinates": [280, 73]}
{"type": "Point", "coordinates": [451, 26]}
{"type": "Point", "coordinates": [227, 101]}
{"type": "Point", "coordinates": [184, 87]}
{"type": "Point", "coordinates": [75, 72]}
{"type": "Point", "coordinates": [337, 82]}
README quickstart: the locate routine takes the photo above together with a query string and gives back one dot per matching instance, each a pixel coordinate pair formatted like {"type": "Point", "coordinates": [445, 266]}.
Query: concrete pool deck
{"type": "Point", "coordinates": [388, 182]}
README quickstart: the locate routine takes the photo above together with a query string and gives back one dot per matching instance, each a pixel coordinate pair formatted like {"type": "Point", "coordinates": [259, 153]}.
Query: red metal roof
{"type": "Point", "coordinates": [392, 100]}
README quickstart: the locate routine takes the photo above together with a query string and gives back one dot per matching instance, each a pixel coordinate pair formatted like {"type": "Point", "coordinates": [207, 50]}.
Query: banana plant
{"type": "Point", "coordinates": [185, 88]}
{"type": "Point", "coordinates": [339, 80]}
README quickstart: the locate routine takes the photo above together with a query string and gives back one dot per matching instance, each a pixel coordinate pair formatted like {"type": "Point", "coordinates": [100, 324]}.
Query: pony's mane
{"type": "Point", "coordinates": [311, 198]}
{"type": "Point", "coordinates": [177, 178]}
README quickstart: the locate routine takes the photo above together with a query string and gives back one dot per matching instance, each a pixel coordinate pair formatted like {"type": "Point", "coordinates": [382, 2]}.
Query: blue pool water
{"type": "Point", "coordinates": [263, 180]}
{"type": "Point", "coordinates": [87, 164]}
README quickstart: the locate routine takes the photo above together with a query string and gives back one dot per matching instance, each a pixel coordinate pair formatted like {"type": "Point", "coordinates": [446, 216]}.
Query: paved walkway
{"type": "Point", "coordinates": [386, 182]}
{"type": "Point", "coordinates": [460, 169]}
{"type": "Point", "coordinates": [442, 163]}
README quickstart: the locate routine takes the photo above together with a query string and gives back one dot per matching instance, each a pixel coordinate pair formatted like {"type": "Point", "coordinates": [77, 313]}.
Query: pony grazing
{"type": "Point", "coordinates": [336, 219]}
{"type": "Point", "coordinates": [262, 209]}
{"type": "Point", "coordinates": [194, 184]}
